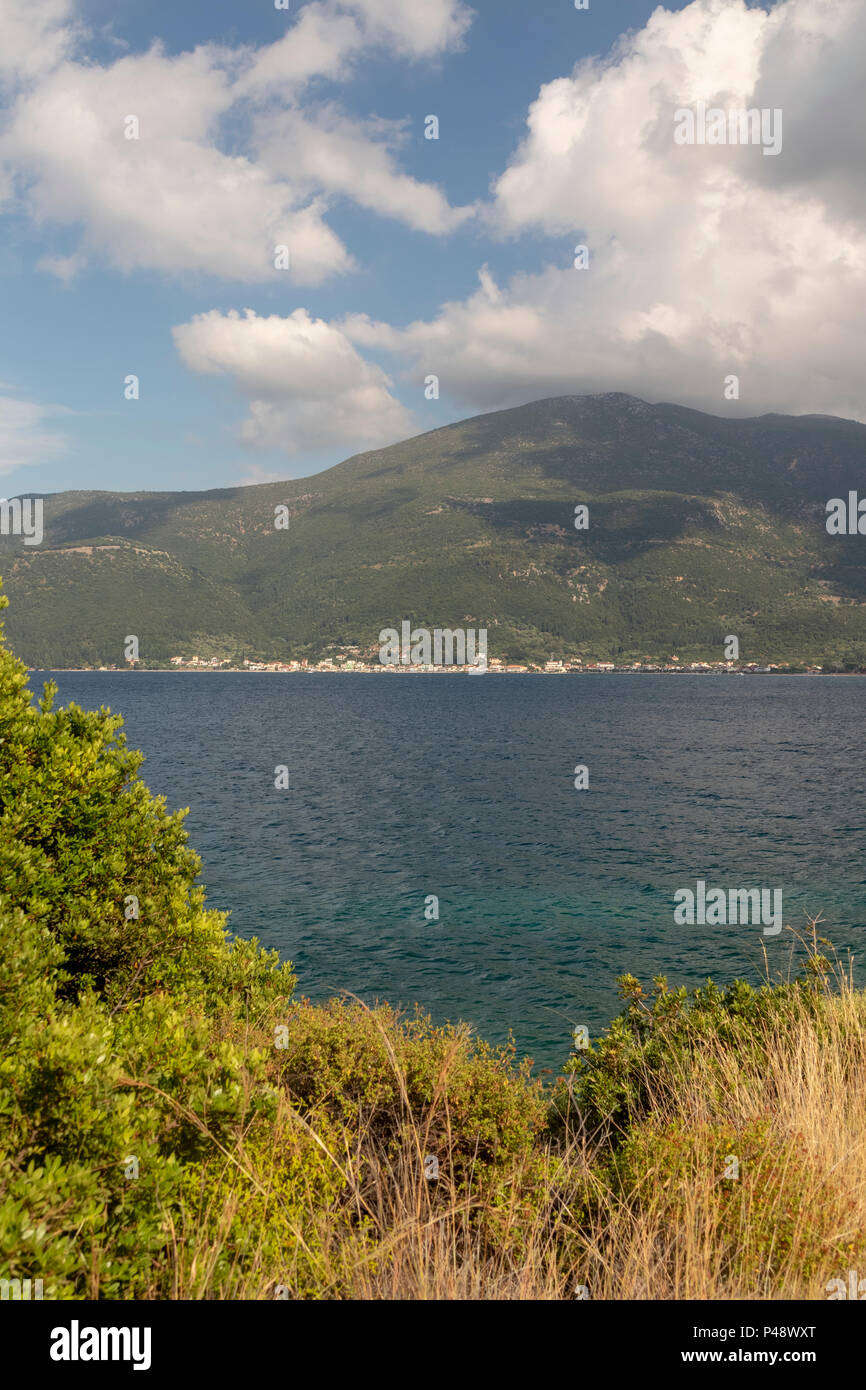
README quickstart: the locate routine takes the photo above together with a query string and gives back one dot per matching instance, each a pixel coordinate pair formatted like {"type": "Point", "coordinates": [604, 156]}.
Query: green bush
{"type": "Point", "coordinates": [84, 1093]}
{"type": "Point", "coordinates": [81, 836]}
{"type": "Point", "coordinates": [617, 1080]}
{"type": "Point", "coordinates": [272, 1216]}
{"type": "Point", "coordinates": [119, 1039]}
{"type": "Point", "coordinates": [413, 1089]}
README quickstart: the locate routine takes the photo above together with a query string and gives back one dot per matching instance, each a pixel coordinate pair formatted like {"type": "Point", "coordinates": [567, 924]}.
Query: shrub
{"type": "Point", "coordinates": [81, 835]}
{"type": "Point", "coordinates": [649, 1047]}
{"type": "Point", "coordinates": [403, 1090]}
{"type": "Point", "coordinates": [119, 1039]}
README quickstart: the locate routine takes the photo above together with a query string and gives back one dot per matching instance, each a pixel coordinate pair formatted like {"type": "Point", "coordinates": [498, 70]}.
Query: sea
{"type": "Point", "coordinates": [420, 838]}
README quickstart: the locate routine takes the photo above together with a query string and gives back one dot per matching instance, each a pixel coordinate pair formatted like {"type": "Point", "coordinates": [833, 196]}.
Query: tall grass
{"type": "Point", "coordinates": [741, 1174]}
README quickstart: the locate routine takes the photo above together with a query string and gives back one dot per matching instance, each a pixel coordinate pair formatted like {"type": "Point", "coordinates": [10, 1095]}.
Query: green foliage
{"type": "Point", "coordinates": [115, 1034]}
{"type": "Point", "coordinates": [81, 836]}
{"type": "Point", "coordinates": [404, 1082]}
{"type": "Point", "coordinates": [267, 1215]}
{"type": "Point", "coordinates": [85, 1090]}
{"type": "Point", "coordinates": [618, 1078]}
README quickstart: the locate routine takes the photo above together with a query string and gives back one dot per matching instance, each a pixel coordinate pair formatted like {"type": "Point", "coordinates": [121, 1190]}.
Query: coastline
{"type": "Point", "coordinates": [428, 671]}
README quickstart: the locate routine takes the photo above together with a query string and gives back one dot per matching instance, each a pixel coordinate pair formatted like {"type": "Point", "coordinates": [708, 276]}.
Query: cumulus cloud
{"type": "Point", "coordinates": [329, 150]}
{"type": "Point", "coordinates": [817, 55]}
{"type": "Point", "coordinates": [329, 35]}
{"type": "Point", "coordinates": [418, 30]}
{"type": "Point", "coordinates": [25, 434]}
{"type": "Point", "coordinates": [34, 38]}
{"type": "Point", "coordinates": [705, 260]}
{"type": "Point", "coordinates": [181, 197]}
{"type": "Point", "coordinates": [169, 200]}
{"type": "Point", "coordinates": [320, 43]}
{"type": "Point", "coordinates": [307, 386]}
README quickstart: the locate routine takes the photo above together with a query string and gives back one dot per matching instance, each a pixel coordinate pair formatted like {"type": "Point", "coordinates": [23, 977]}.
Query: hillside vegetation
{"type": "Point", "coordinates": [175, 1123]}
{"type": "Point", "coordinates": [699, 527]}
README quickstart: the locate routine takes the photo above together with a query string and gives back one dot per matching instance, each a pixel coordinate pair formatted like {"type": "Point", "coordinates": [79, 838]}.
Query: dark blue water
{"type": "Point", "coordinates": [463, 787]}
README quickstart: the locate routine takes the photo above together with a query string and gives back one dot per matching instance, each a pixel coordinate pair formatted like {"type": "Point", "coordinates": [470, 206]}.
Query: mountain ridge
{"type": "Point", "coordinates": [700, 526]}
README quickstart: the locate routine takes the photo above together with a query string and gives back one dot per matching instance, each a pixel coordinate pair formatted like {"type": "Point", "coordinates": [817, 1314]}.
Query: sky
{"type": "Point", "coordinates": [154, 157]}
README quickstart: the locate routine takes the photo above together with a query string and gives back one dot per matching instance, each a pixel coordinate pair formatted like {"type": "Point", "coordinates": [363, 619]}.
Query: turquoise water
{"type": "Point", "coordinates": [463, 787]}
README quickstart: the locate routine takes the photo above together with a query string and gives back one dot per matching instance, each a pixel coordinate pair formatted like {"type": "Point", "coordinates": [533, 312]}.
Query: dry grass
{"type": "Point", "coordinates": [660, 1221]}
{"type": "Point", "coordinates": [800, 1217]}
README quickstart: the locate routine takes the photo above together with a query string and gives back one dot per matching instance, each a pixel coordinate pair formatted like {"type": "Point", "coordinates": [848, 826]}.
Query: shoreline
{"type": "Point", "coordinates": [415, 671]}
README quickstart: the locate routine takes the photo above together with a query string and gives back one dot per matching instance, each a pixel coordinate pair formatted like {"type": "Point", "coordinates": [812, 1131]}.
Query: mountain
{"type": "Point", "coordinates": [699, 527]}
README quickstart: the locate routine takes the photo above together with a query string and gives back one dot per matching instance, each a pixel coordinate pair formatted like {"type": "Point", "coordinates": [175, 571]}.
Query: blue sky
{"type": "Point", "coordinates": [109, 268]}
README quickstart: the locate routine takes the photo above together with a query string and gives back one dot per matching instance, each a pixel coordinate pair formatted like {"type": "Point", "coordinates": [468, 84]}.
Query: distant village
{"type": "Point", "coordinates": [354, 659]}
{"type": "Point", "coordinates": [493, 667]}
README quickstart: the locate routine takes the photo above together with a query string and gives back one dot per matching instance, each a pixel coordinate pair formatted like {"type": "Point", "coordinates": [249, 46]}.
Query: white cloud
{"type": "Point", "coordinates": [817, 55]}
{"type": "Point", "coordinates": [330, 150]}
{"type": "Point", "coordinates": [320, 43]}
{"type": "Point", "coordinates": [307, 387]}
{"type": "Point", "coordinates": [169, 200]}
{"type": "Point", "coordinates": [25, 436]}
{"type": "Point", "coordinates": [64, 268]}
{"type": "Point", "coordinates": [704, 261]}
{"type": "Point", "coordinates": [34, 37]}
{"type": "Point", "coordinates": [183, 197]}
{"type": "Point", "coordinates": [329, 35]}
{"type": "Point", "coordinates": [420, 30]}
{"type": "Point", "coordinates": [254, 476]}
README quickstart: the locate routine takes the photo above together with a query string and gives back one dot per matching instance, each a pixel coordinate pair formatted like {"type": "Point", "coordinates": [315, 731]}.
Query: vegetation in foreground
{"type": "Point", "coordinates": [175, 1124]}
